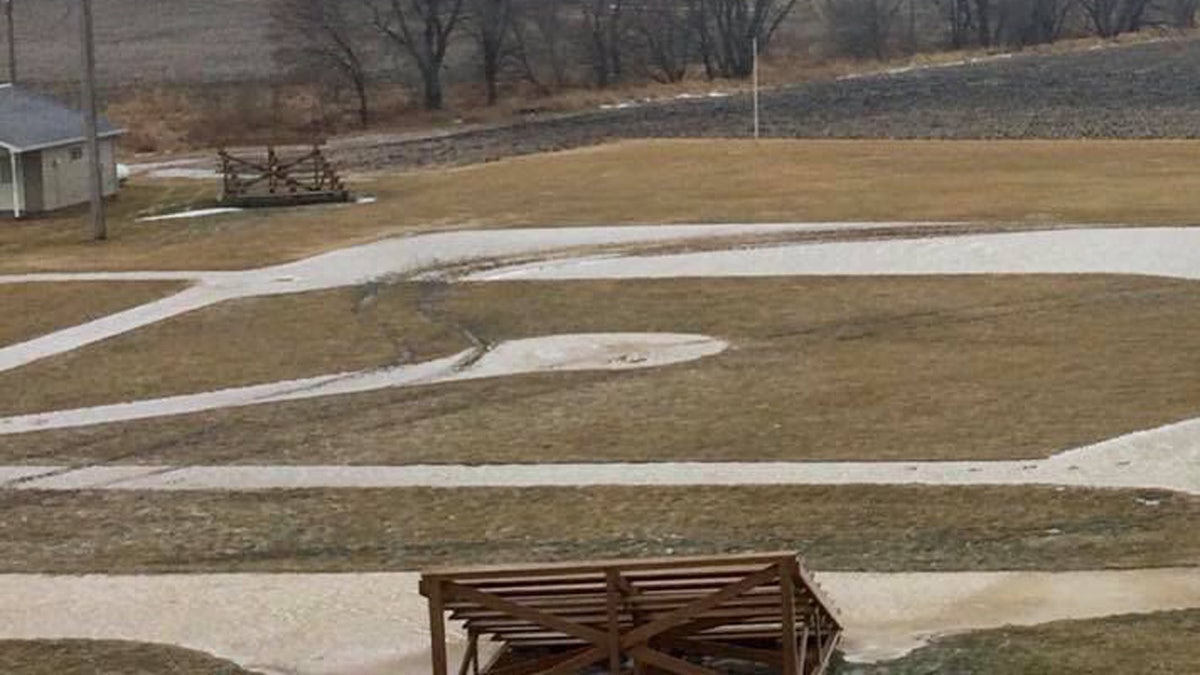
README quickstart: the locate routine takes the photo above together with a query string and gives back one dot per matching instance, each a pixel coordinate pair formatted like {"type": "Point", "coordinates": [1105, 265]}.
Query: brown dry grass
{"type": "Point", "coordinates": [31, 310]}
{"type": "Point", "coordinates": [101, 657]}
{"type": "Point", "coordinates": [821, 368]}
{"type": "Point", "coordinates": [872, 528]}
{"type": "Point", "coordinates": [1163, 643]}
{"type": "Point", "coordinates": [240, 342]}
{"type": "Point", "coordinates": [1132, 182]}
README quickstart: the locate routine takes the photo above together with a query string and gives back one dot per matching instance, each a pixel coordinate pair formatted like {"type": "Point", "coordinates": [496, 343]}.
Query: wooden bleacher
{"type": "Point", "coordinates": [689, 616]}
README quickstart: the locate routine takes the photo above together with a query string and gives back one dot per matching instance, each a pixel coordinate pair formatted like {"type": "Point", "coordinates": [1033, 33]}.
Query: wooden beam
{"type": "Point", "coordinates": [521, 612]}
{"type": "Point", "coordinates": [534, 665]}
{"type": "Point", "coordinates": [787, 633]}
{"type": "Point", "coordinates": [803, 655]}
{"type": "Point", "coordinates": [614, 621]}
{"type": "Point", "coordinates": [828, 650]}
{"type": "Point", "coordinates": [573, 665]}
{"type": "Point", "coordinates": [437, 629]}
{"type": "Point", "coordinates": [669, 663]}
{"type": "Point", "coordinates": [682, 563]}
{"type": "Point", "coordinates": [472, 655]}
{"type": "Point", "coordinates": [721, 650]}
{"type": "Point", "coordinates": [688, 612]}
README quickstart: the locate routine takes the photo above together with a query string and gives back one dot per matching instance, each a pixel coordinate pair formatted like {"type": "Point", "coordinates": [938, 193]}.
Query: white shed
{"type": "Point", "coordinates": [42, 166]}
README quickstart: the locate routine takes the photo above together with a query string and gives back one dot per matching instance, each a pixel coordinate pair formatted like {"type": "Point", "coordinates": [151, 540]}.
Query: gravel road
{"type": "Point", "coordinates": [1142, 91]}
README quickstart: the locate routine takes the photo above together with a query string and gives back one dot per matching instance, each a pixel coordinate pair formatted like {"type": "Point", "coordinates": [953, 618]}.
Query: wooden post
{"type": "Point", "coordinates": [95, 175]}
{"type": "Point", "coordinates": [471, 656]}
{"type": "Point", "coordinates": [437, 628]}
{"type": "Point", "coordinates": [787, 589]}
{"type": "Point", "coordinates": [12, 42]}
{"type": "Point", "coordinates": [803, 667]}
{"type": "Point", "coordinates": [818, 629]}
{"type": "Point", "coordinates": [613, 591]}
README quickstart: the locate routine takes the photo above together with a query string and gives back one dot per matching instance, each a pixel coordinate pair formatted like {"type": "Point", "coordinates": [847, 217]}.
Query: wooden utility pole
{"type": "Point", "coordinates": [754, 67]}
{"type": "Point", "coordinates": [95, 178]}
{"type": "Point", "coordinates": [12, 41]}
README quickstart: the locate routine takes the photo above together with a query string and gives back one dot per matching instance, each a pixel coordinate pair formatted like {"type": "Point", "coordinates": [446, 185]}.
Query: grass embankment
{"type": "Point", "coordinates": [870, 528]}
{"type": "Point", "coordinates": [820, 368]}
{"type": "Point", "coordinates": [1151, 644]}
{"type": "Point", "coordinates": [1137, 182]}
{"type": "Point", "coordinates": [31, 310]}
{"type": "Point", "coordinates": [99, 657]}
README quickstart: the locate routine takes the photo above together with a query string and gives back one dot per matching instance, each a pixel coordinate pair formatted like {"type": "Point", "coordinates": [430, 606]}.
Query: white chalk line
{"type": "Point", "coordinates": [570, 352]}
{"type": "Point", "coordinates": [1167, 458]}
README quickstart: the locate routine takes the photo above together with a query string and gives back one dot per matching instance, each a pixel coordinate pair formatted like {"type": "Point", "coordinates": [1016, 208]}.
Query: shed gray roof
{"type": "Point", "coordinates": [30, 121]}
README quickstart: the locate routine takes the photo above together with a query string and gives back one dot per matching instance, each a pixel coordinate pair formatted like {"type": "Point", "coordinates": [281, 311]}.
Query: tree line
{"type": "Point", "coordinates": [552, 44]}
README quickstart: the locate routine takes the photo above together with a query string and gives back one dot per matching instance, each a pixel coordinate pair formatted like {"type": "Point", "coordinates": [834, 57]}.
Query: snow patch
{"type": "Point", "coordinates": [197, 213]}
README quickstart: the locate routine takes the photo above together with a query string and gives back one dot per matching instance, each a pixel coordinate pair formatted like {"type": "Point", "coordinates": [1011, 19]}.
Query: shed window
{"type": "Point", "coordinates": [76, 154]}
{"type": "Point", "coordinates": [5, 170]}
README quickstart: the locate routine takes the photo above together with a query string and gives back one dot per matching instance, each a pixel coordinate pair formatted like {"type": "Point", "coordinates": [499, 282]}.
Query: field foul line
{"type": "Point", "coordinates": [1166, 458]}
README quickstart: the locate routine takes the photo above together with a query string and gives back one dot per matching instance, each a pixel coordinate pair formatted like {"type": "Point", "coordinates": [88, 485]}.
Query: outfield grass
{"type": "Point", "coordinates": [820, 368]}
{"type": "Point", "coordinates": [108, 657]}
{"type": "Point", "coordinates": [239, 342]}
{"type": "Point", "coordinates": [31, 310]}
{"type": "Point", "coordinates": [1137, 182]}
{"type": "Point", "coordinates": [1149, 644]}
{"type": "Point", "coordinates": [869, 528]}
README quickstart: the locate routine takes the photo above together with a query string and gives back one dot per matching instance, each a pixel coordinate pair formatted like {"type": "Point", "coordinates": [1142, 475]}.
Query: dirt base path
{"type": "Point", "coordinates": [363, 624]}
{"type": "Point", "coordinates": [551, 353]}
{"type": "Point", "coordinates": [388, 258]}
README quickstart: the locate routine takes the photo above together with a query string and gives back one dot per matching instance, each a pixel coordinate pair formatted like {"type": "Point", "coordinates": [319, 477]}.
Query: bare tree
{"type": "Point", "coordinates": [958, 22]}
{"type": "Point", "coordinates": [323, 35]}
{"type": "Point", "coordinates": [420, 30]}
{"type": "Point", "coordinates": [1046, 20]}
{"type": "Point", "coordinates": [667, 34]}
{"type": "Point", "coordinates": [603, 22]}
{"type": "Point", "coordinates": [983, 22]}
{"type": "Point", "coordinates": [1112, 17]}
{"type": "Point", "coordinates": [491, 23]}
{"type": "Point", "coordinates": [1182, 13]}
{"type": "Point", "coordinates": [541, 40]}
{"type": "Point", "coordinates": [861, 28]}
{"type": "Point", "coordinates": [730, 27]}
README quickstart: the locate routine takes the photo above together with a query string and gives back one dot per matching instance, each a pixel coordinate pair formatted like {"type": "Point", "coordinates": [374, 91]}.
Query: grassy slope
{"type": "Point", "coordinates": [103, 657]}
{"type": "Point", "coordinates": [873, 528]}
{"type": "Point", "coordinates": [661, 181]}
{"type": "Point", "coordinates": [821, 368]}
{"type": "Point", "coordinates": [31, 310]}
{"type": "Point", "coordinates": [1152, 644]}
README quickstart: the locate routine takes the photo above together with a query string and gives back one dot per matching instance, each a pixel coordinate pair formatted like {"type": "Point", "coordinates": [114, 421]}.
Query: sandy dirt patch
{"type": "Point", "coordinates": [361, 624]}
